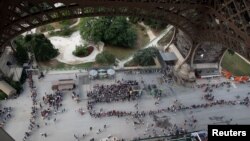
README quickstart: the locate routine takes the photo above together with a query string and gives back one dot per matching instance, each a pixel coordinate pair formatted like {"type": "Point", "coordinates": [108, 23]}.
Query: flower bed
{"type": "Point", "coordinates": [82, 51]}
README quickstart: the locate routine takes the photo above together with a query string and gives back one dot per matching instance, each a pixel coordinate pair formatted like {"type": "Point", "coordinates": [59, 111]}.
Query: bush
{"type": "Point", "coordinates": [115, 31]}
{"type": "Point", "coordinates": [83, 51]}
{"type": "Point", "coordinates": [23, 77]}
{"type": "Point", "coordinates": [2, 95]}
{"type": "Point", "coordinates": [105, 58]}
{"type": "Point", "coordinates": [40, 46]}
{"type": "Point", "coordinates": [145, 57]}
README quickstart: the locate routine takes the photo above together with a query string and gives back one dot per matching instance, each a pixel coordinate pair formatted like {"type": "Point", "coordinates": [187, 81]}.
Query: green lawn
{"type": "Point", "coordinates": [122, 52]}
{"type": "Point", "coordinates": [54, 64]}
{"type": "Point", "coordinates": [2, 95]}
{"type": "Point", "coordinates": [235, 65]}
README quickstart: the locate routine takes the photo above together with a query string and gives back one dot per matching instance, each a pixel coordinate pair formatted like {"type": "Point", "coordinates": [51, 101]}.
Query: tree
{"type": "Point", "coordinates": [39, 45]}
{"type": "Point", "coordinates": [115, 31]}
{"type": "Point", "coordinates": [42, 47]}
{"type": "Point", "coordinates": [81, 51]}
{"type": "Point", "coordinates": [21, 52]}
{"type": "Point", "coordinates": [230, 51]}
{"type": "Point", "coordinates": [145, 57]}
{"type": "Point", "coordinates": [105, 58]}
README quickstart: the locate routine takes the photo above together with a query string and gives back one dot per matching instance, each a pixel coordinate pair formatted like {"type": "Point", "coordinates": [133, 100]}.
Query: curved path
{"type": "Point", "coordinates": [66, 45]}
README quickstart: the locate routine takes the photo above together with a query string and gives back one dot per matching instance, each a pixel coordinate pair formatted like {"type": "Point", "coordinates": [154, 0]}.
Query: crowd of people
{"type": "Point", "coordinates": [121, 91]}
{"type": "Point", "coordinates": [5, 114]}
{"type": "Point", "coordinates": [53, 100]}
{"type": "Point", "coordinates": [174, 108]}
{"type": "Point", "coordinates": [34, 108]}
{"type": "Point", "coordinates": [210, 87]}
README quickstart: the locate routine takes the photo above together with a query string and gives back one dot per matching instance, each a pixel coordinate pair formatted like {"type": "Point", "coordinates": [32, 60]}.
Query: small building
{"type": "Point", "coordinates": [7, 89]}
{"type": "Point", "coordinates": [63, 84]}
{"type": "Point", "coordinates": [168, 58]}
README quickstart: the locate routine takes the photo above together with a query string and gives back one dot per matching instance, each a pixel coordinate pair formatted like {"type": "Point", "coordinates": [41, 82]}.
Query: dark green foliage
{"type": "Point", "coordinates": [155, 24]}
{"type": "Point", "coordinates": [65, 23]}
{"type": "Point", "coordinates": [21, 52]}
{"type": "Point", "coordinates": [23, 77]}
{"type": "Point", "coordinates": [39, 45]}
{"type": "Point", "coordinates": [80, 51]}
{"type": "Point", "coordinates": [2, 95]}
{"type": "Point", "coordinates": [145, 57]}
{"type": "Point", "coordinates": [231, 52]}
{"type": "Point", "coordinates": [42, 47]}
{"type": "Point", "coordinates": [105, 58]}
{"type": "Point", "coordinates": [115, 31]}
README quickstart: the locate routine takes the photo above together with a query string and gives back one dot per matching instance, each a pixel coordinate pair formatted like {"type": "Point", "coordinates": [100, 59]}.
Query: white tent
{"type": "Point", "coordinates": [93, 73]}
{"type": "Point", "coordinates": [111, 72]}
{"type": "Point", "coordinates": [7, 89]}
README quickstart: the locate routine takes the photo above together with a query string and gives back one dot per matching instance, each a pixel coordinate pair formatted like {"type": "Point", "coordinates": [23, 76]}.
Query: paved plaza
{"type": "Point", "coordinates": [68, 124]}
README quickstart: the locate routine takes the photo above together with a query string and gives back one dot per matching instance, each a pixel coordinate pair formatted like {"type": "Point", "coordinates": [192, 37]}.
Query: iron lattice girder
{"type": "Point", "coordinates": [199, 19]}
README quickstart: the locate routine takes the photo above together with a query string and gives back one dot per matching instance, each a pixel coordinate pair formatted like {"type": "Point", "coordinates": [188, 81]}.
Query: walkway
{"type": "Point", "coordinates": [152, 43]}
{"type": "Point", "coordinates": [66, 45]}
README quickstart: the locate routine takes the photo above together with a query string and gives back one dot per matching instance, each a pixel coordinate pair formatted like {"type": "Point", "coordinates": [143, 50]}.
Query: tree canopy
{"type": "Point", "coordinates": [105, 58]}
{"type": "Point", "coordinates": [21, 52]}
{"type": "Point", "coordinates": [37, 44]}
{"type": "Point", "coordinates": [145, 57]}
{"type": "Point", "coordinates": [111, 30]}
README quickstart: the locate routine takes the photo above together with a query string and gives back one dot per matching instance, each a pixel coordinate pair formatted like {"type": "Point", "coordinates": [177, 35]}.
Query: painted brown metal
{"type": "Point", "coordinates": [221, 21]}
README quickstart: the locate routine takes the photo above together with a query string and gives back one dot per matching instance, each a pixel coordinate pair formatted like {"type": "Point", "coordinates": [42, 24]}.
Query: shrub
{"type": "Point", "coordinates": [83, 51]}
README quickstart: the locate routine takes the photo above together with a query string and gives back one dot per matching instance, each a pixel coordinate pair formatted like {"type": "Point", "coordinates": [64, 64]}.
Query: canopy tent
{"type": "Point", "coordinates": [111, 72]}
{"type": "Point", "coordinates": [102, 73]}
{"type": "Point", "coordinates": [93, 73]}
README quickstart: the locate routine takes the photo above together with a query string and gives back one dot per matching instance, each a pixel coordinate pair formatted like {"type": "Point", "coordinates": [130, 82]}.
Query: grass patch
{"type": "Point", "coordinates": [63, 32]}
{"type": "Point", "coordinates": [123, 53]}
{"type": "Point", "coordinates": [54, 64]}
{"type": "Point", "coordinates": [2, 95]}
{"type": "Point", "coordinates": [235, 65]}
{"type": "Point", "coordinates": [57, 25]}
{"type": "Point", "coordinates": [167, 38]}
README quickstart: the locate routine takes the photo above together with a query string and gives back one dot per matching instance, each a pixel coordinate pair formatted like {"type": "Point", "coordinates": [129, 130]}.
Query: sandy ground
{"type": "Point", "coordinates": [67, 45]}
{"type": "Point", "coordinates": [71, 122]}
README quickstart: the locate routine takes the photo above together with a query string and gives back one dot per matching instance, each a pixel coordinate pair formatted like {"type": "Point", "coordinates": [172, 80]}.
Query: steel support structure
{"type": "Point", "coordinates": [226, 22]}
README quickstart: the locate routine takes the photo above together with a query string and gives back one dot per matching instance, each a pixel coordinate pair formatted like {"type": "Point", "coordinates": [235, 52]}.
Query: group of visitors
{"type": "Point", "coordinates": [34, 108]}
{"type": "Point", "coordinates": [5, 114]}
{"type": "Point", "coordinates": [143, 71]}
{"type": "Point", "coordinates": [121, 91]}
{"type": "Point", "coordinates": [54, 102]}
{"type": "Point", "coordinates": [174, 108]}
{"type": "Point", "coordinates": [208, 87]}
